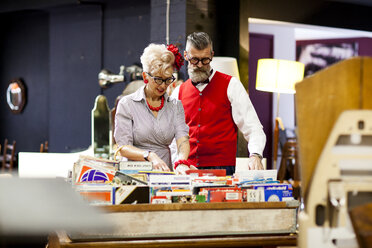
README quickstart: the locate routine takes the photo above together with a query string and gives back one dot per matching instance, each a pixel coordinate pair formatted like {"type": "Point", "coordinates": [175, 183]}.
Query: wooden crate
{"type": "Point", "coordinates": [199, 219]}
{"type": "Point", "coordinates": [320, 99]}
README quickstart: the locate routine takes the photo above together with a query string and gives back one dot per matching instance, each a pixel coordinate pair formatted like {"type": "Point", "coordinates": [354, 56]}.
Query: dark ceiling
{"type": "Point", "coordinates": [350, 14]}
{"type": "Point", "coordinates": [357, 2]}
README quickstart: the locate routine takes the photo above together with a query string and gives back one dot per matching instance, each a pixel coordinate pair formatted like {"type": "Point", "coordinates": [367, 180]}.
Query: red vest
{"type": "Point", "coordinates": [213, 133]}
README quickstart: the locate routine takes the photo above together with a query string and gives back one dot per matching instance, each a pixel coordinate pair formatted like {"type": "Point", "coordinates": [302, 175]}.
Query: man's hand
{"type": "Point", "coordinates": [254, 163]}
{"type": "Point", "coordinates": [157, 163]}
{"type": "Point", "coordinates": [181, 169]}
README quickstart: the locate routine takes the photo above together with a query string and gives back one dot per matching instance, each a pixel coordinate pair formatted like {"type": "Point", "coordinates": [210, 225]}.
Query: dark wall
{"type": "Point", "coordinates": [126, 32]}
{"type": "Point", "coordinates": [348, 14]}
{"type": "Point", "coordinates": [24, 53]}
{"type": "Point", "coordinates": [261, 46]}
{"type": "Point", "coordinates": [75, 59]}
{"type": "Point", "coordinates": [227, 29]}
{"type": "Point", "coordinates": [59, 51]}
{"type": "Point", "coordinates": [84, 39]}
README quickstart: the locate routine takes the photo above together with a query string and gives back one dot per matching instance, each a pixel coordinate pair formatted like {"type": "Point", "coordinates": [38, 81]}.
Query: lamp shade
{"type": "Point", "coordinates": [227, 65]}
{"type": "Point", "coordinates": [277, 75]}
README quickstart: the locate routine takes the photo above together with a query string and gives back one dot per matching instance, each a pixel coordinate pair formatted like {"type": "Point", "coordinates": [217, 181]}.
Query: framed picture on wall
{"type": "Point", "coordinates": [318, 54]}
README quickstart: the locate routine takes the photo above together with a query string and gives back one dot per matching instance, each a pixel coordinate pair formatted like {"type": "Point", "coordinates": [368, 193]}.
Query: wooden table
{"type": "Point", "coordinates": [62, 240]}
{"type": "Point", "coordinates": [263, 224]}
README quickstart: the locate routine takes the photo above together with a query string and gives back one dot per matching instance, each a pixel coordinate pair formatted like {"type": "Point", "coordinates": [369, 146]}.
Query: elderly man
{"type": "Point", "coordinates": [216, 105]}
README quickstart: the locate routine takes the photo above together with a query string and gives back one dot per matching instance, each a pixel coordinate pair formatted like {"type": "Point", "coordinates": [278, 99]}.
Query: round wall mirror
{"type": "Point", "coordinates": [16, 95]}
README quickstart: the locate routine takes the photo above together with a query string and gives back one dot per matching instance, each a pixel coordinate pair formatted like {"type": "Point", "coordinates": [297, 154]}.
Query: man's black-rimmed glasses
{"type": "Point", "coordinates": [195, 61]}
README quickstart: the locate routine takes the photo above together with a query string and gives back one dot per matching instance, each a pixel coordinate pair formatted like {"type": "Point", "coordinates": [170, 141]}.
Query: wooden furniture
{"type": "Point", "coordinates": [8, 157]}
{"type": "Point", "coordinates": [44, 147]}
{"type": "Point", "coordinates": [332, 104]}
{"type": "Point", "coordinates": [191, 225]}
{"type": "Point", "coordinates": [361, 218]}
{"type": "Point", "coordinates": [289, 168]}
{"type": "Point", "coordinates": [321, 98]}
{"type": "Point", "coordinates": [342, 180]}
{"type": "Point", "coordinates": [289, 171]}
{"type": "Point", "coordinates": [278, 125]}
{"type": "Point", "coordinates": [62, 240]}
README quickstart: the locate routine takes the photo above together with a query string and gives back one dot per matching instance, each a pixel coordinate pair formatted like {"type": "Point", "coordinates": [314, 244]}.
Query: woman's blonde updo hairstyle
{"type": "Point", "coordinates": [157, 60]}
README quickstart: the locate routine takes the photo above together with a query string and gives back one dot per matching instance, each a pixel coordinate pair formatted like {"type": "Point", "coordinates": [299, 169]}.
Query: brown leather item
{"type": "Point", "coordinates": [8, 158]}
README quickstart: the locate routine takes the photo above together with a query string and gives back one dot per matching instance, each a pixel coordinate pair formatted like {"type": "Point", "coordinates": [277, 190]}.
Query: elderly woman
{"type": "Point", "coordinates": [147, 121]}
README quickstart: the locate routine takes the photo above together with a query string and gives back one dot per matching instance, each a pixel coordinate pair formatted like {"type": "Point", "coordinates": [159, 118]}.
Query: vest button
{"type": "Point", "coordinates": [199, 109]}
{"type": "Point", "coordinates": [197, 141]}
{"type": "Point", "coordinates": [197, 156]}
{"type": "Point", "coordinates": [198, 125]}
{"type": "Point", "coordinates": [197, 163]}
{"type": "Point", "coordinates": [200, 94]}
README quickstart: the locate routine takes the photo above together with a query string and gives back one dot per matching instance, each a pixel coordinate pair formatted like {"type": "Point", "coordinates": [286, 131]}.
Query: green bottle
{"type": "Point", "coordinates": [101, 128]}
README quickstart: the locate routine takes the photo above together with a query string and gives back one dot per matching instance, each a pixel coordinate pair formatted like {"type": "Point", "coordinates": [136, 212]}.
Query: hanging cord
{"type": "Point", "coordinates": [167, 23]}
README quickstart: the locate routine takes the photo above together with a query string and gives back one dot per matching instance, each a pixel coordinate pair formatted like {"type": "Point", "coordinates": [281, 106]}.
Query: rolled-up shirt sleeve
{"type": "Point", "coordinates": [123, 123]}
{"type": "Point", "coordinates": [182, 129]}
{"type": "Point", "coordinates": [245, 117]}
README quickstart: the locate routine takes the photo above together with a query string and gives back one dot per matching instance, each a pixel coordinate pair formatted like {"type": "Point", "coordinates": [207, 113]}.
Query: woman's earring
{"type": "Point", "coordinates": [145, 81]}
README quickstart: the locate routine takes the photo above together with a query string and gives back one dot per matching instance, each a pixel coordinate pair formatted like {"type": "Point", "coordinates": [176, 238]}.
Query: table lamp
{"type": "Point", "coordinates": [279, 76]}
{"type": "Point", "coordinates": [227, 65]}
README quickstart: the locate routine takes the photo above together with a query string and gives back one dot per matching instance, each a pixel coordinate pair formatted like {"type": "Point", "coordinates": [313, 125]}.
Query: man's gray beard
{"type": "Point", "coordinates": [199, 75]}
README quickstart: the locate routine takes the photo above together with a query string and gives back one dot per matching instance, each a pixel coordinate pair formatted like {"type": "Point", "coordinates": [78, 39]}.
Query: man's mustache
{"type": "Point", "coordinates": [199, 70]}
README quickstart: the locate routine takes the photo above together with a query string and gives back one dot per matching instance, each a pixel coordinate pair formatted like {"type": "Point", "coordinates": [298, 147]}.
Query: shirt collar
{"type": "Point", "coordinates": [140, 94]}
{"type": "Point", "coordinates": [212, 74]}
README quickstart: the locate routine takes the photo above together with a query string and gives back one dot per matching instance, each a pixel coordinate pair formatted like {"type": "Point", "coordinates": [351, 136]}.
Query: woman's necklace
{"type": "Point", "coordinates": [157, 109]}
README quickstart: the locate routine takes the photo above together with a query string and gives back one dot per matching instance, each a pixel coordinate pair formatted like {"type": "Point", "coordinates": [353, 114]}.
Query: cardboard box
{"type": "Point", "coordinates": [253, 195]}
{"type": "Point", "coordinates": [188, 199]}
{"type": "Point", "coordinates": [222, 194]}
{"type": "Point", "coordinates": [131, 179]}
{"type": "Point", "coordinates": [131, 194]}
{"type": "Point", "coordinates": [160, 200]}
{"type": "Point", "coordinates": [225, 196]}
{"type": "Point", "coordinates": [207, 172]}
{"type": "Point", "coordinates": [135, 166]}
{"type": "Point", "coordinates": [96, 193]}
{"type": "Point", "coordinates": [91, 169]}
{"type": "Point", "coordinates": [268, 194]}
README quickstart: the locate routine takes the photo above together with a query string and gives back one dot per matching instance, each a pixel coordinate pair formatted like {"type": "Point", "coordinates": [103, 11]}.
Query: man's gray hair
{"type": "Point", "coordinates": [198, 40]}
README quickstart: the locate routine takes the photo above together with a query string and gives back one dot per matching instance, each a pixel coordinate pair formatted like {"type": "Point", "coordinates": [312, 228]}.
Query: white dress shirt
{"type": "Point", "coordinates": [243, 113]}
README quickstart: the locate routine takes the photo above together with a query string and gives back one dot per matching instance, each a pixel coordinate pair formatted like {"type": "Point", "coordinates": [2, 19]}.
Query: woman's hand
{"type": "Point", "coordinates": [157, 163]}
{"type": "Point", "coordinates": [183, 150]}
